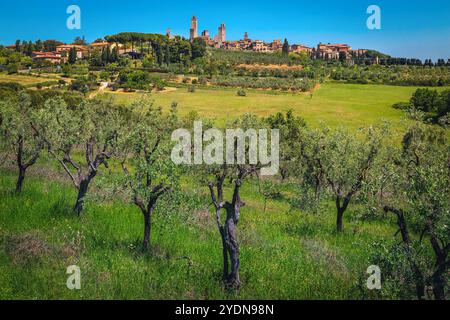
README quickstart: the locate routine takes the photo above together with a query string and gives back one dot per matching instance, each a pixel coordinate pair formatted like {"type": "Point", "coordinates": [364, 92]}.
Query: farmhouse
{"type": "Point", "coordinates": [52, 57]}
{"type": "Point", "coordinates": [82, 51]}
{"type": "Point", "coordinates": [332, 51]}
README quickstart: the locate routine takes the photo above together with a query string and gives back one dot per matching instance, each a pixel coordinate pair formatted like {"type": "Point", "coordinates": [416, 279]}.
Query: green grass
{"type": "Point", "coordinates": [334, 104]}
{"type": "Point", "coordinates": [25, 79]}
{"type": "Point", "coordinates": [285, 254]}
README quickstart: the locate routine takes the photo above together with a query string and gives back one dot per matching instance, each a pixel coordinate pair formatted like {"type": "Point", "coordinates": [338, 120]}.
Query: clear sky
{"type": "Point", "coordinates": [409, 28]}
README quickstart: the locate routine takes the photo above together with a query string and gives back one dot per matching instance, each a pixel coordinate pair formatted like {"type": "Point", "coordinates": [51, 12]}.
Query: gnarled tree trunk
{"type": "Point", "coordinates": [83, 187]}
{"type": "Point", "coordinates": [232, 246]}
{"type": "Point", "coordinates": [147, 227]}
{"type": "Point", "coordinates": [418, 275]}
{"type": "Point", "coordinates": [340, 211]}
{"type": "Point", "coordinates": [22, 165]}
{"type": "Point", "coordinates": [439, 277]}
{"type": "Point", "coordinates": [20, 179]}
{"type": "Point", "coordinates": [228, 233]}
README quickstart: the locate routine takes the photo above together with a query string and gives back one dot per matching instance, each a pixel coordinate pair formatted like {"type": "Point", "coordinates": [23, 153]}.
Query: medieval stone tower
{"type": "Point", "coordinates": [222, 33]}
{"type": "Point", "coordinates": [194, 28]}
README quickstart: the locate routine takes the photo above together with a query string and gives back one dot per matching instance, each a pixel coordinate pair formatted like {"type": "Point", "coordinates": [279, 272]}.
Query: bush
{"type": "Point", "coordinates": [12, 68]}
{"type": "Point", "coordinates": [425, 100]}
{"type": "Point", "coordinates": [191, 89]}
{"type": "Point", "coordinates": [202, 81]}
{"type": "Point", "coordinates": [401, 105]}
{"type": "Point", "coordinates": [241, 93]}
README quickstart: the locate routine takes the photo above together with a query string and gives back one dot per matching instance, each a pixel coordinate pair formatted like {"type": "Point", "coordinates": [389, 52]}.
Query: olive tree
{"type": "Point", "coordinates": [144, 149]}
{"type": "Point", "coordinates": [419, 198]}
{"type": "Point", "coordinates": [18, 135]}
{"type": "Point", "coordinates": [82, 139]}
{"type": "Point", "coordinates": [292, 129]}
{"type": "Point", "coordinates": [234, 173]}
{"type": "Point", "coordinates": [344, 161]}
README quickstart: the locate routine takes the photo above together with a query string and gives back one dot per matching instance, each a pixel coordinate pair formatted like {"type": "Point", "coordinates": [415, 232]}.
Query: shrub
{"type": "Point", "coordinates": [191, 89]}
{"type": "Point", "coordinates": [13, 68]}
{"type": "Point", "coordinates": [202, 80]}
{"type": "Point", "coordinates": [425, 100]}
{"type": "Point", "coordinates": [401, 105]}
{"type": "Point", "coordinates": [241, 93]}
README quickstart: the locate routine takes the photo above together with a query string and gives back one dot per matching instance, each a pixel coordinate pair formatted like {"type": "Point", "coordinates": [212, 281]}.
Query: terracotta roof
{"type": "Point", "coordinates": [99, 44]}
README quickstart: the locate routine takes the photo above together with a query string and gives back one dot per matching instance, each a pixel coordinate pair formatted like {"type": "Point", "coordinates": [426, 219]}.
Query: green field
{"type": "Point", "coordinates": [333, 104]}
{"type": "Point", "coordinates": [285, 254]}
{"type": "Point", "coordinates": [25, 80]}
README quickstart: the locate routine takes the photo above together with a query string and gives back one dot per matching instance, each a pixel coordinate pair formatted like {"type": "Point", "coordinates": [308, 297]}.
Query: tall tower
{"type": "Point", "coordinates": [222, 33]}
{"type": "Point", "coordinates": [246, 36]}
{"type": "Point", "coordinates": [194, 28]}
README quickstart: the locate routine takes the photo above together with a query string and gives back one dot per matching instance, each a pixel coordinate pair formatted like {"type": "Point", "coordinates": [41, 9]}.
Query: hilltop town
{"type": "Point", "coordinates": [322, 51]}
{"type": "Point", "coordinates": [59, 53]}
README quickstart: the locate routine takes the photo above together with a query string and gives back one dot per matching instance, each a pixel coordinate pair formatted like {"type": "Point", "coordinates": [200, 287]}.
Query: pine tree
{"type": "Point", "coordinates": [18, 47]}
{"type": "Point", "coordinates": [30, 48]}
{"type": "Point", "coordinates": [285, 49]}
{"type": "Point", "coordinates": [114, 55]}
{"type": "Point", "coordinates": [167, 55]}
{"type": "Point", "coordinates": [38, 45]}
{"type": "Point", "coordinates": [72, 55]}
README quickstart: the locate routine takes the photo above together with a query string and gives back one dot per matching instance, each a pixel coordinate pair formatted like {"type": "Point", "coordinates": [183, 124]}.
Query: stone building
{"type": "Point", "coordinates": [193, 32]}
{"type": "Point", "coordinates": [222, 33]}
{"type": "Point", "coordinates": [332, 51]}
{"type": "Point", "coordinates": [299, 48]}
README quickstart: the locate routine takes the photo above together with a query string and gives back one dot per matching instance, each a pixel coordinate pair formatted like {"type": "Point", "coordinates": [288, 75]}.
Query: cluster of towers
{"type": "Point", "coordinates": [219, 38]}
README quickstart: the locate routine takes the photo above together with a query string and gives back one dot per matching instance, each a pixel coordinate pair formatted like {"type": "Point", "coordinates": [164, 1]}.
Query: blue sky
{"type": "Point", "coordinates": [409, 27]}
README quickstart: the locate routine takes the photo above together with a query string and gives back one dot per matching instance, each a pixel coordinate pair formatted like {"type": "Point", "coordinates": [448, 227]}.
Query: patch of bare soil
{"type": "Point", "coordinates": [282, 67]}
{"type": "Point", "coordinates": [167, 90]}
{"type": "Point", "coordinates": [32, 248]}
{"type": "Point", "coordinates": [23, 249]}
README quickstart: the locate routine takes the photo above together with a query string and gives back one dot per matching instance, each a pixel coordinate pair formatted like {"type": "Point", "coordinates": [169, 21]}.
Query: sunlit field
{"type": "Point", "coordinates": [25, 80]}
{"type": "Point", "coordinates": [350, 105]}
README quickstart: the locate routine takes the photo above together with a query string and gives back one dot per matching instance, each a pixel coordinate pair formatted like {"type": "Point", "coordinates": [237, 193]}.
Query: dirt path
{"type": "Point", "coordinates": [103, 86]}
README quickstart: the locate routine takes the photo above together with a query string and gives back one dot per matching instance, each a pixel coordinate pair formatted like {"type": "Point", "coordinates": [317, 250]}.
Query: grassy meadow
{"type": "Point", "coordinates": [334, 104]}
{"type": "Point", "coordinates": [26, 80]}
{"type": "Point", "coordinates": [285, 253]}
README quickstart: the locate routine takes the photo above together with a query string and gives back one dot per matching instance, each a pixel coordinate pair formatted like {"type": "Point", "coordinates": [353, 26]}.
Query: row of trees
{"type": "Point", "coordinates": [411, 181]}
{"type": "Point", "coordinates": [164, 49]}
{"type": "Point", "coordinates": [394, 75]}
{"type": "Point", "coordinates": [285, 84]}
{"type": "Point", "coordinates": [27, 47]}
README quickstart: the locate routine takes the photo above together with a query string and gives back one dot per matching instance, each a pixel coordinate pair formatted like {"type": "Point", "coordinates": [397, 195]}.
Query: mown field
{"type": "Point", "coordinates": [25, 80]}
{"type": "Point", "coordinates": [335, 104]}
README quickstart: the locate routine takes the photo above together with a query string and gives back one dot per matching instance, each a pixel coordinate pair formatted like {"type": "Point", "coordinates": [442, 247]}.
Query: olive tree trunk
{"type": "Point", "coordinates": [148, 214]}
{"type": "Point", "coordinates": [20, 179]}
{"type": "Point", "coordinates": [403, 229]}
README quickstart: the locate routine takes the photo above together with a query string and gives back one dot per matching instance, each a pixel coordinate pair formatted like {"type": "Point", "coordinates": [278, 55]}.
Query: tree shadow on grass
{"type": "Point", "coordinates": [62, 209]}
